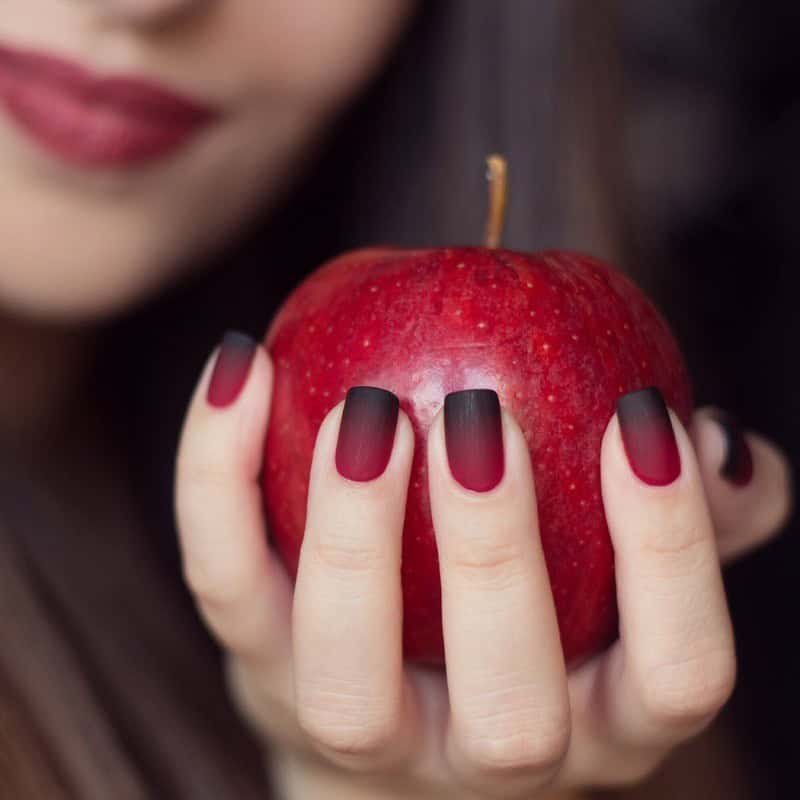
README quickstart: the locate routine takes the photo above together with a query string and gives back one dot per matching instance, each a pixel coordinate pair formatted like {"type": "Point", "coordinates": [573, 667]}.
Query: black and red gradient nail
{"type": "Point", "coordinates": [231, 369]}
{"type": "Point", "coordinates": [473, 431]}
{"type": "Point", "coordinates": [737, 465]}
{"type": "Point", "coordinates": [648, 437]}
{"type": "Point", "coordinates": [366, 433]}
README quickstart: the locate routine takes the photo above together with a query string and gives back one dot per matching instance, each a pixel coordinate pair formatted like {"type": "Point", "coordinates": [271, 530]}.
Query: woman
{"type": "Point", "coordinates": [114, 186]}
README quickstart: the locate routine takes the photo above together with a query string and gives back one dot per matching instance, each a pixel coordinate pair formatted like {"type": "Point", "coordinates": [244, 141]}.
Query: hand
{"type": "Point", "coordinates": [319, 674]}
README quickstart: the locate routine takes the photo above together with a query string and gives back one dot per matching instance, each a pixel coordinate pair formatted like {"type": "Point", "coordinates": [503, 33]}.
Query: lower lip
{"type": "Point", "coordinates": [54, 103]}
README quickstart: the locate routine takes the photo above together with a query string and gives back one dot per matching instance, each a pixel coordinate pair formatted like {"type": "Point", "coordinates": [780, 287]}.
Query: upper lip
{"type": "Point", "coordinates": [131, 95]}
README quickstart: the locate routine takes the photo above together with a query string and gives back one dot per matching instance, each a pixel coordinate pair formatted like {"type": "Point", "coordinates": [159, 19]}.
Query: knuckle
{"type": "Point", "coordinates": [353, 738]}
{"type": "Point", "coordinates": [201, 473]}
{"type": "Point", "coordinates": [214, 584]}
{"type": "Point", "coordinates": [539, 750]}
{"type": "Point", "coordinates": [346, 720]}
{"type": "Point", "coordinates": [345, 551]}
{"type": "Point", "coordinates": [496, 561]}
{"type": "Point", "coordinates": [678, 547]}
{"type": "Point", "coordinates": [690, 692]}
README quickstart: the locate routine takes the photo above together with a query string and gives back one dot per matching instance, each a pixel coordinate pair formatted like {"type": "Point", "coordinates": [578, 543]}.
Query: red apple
{"type": "Point", "coordinates": [559, 336]}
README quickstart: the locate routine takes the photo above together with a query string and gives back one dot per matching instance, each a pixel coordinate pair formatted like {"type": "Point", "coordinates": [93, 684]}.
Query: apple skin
{"type": "Point", "coordinates": [559, 336]}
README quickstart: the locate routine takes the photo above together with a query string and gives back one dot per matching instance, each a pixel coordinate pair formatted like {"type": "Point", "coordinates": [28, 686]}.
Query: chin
{"type": "Point", "coordinates": [58, 282]}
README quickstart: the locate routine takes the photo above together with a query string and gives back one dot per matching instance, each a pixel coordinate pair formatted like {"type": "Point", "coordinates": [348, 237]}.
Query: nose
{"type": "Point", "coordinates": [148, 12]}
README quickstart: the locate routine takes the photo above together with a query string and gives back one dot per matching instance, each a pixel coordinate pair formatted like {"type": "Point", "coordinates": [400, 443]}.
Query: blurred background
{"type": "Point", "coordinates": [660, 135]}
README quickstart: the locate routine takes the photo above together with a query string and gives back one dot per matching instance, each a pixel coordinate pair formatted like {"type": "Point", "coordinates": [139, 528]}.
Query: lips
{"type": "Point", "coordinates": [91, 120]}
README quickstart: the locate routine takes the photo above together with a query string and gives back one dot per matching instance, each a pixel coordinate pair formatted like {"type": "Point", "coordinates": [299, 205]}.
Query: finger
{"type": "Point", "coordinates": [241, 590]}
{"type": "Point", "coordinates": [506, 678]}
{"type": "Point", "coordinates": [352, 697]}
{"type": "Point", "coordinates": [674, 666]}
{"type": "Point", "coordinates": [747, 481]}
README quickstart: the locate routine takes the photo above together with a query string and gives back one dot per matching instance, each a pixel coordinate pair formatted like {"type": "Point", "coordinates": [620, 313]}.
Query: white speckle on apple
{"type": "Point", "coordinates": [625, 326]}
{"type": "Point", "coordinates": [346, 361]}
{"type": "Point", "coordinates": [551, 398]}
{"type": "Point", "coordinates": [574, 337]}
{"type": "Point", "coordinates": [545, 347]}
{"type": "Point", "coordinates": [460, 265]}
{"type": "Point", "coordinates": [373, 289]}
{"type": "Point", "coordinates": [557, 311]}
{"type": "Point", "coordinates": [312, 390]}
{"type": "Point", "coordinates": [608, 332]}
{"type": "Point", "coordinates": [494, 286]}
{"type": "Point", "coordinates": [398, 284]}
{"type": "Point", "coordinates": [572, 487]}
{"type": "Point", "coordinates": [570, 426]}
{"type": "Point", "coordinates": [532, 313]}
{"type": "Point", "coordinates": [529, 284]}
{"type": "Point", "coordinates": [481, 324]}
{"type": "Point", "coordinates": [366, 343]}
{"type": "Point", "coordinates": [458, 312]}
{"type": "Point", "coordinates": [330, 365]}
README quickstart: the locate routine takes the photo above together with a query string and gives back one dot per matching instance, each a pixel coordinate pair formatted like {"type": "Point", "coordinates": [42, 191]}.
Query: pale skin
{"type": "Point", "coordinates": [318, 672]}
{"type": "Point", "coordinates": [351, 721]}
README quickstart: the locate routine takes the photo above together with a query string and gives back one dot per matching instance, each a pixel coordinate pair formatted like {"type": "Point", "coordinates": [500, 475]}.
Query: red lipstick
{"type": "Point", "coordinates": [96, 121]}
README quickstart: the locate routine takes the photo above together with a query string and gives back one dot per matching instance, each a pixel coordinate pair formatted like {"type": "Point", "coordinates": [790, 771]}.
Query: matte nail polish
{"type": "Point", "coordinates": [737, 465]}
{"type": "Point", "coordinates": [473, 430]}
{"type": "Point", "coordinates": [648, 437]}
{"type": "Point", "coordinates": [366, 433]}
{"type": "Point", "coordinates": [231, 369]}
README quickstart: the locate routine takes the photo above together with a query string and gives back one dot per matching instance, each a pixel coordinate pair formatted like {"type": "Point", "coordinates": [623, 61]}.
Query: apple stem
{"type": "Point", "coordinates": [497, 177]}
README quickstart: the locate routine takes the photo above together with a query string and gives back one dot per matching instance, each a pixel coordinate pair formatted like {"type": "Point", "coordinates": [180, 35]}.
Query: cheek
{"type": "Point", "coordinates": [72, 269]}
{"type": "Point", "coordinates": [322, 51]}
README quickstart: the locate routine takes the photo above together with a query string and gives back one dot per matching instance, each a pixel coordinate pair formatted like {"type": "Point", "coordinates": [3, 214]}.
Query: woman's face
{"type": "Point", "coordinates": [136, 135]}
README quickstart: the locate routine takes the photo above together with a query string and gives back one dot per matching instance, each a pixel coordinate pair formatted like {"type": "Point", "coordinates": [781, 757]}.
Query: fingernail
{"type": "Point", "coordinates": [366, 433]}
{"type": "Point", "coordinates": [737, 465]}
{"type": "Point", "coordinates": [648, 437]}
{"type": "Point", "coordinates": [231, 369]}
{"type": "Point", "coordinates": [473, 431]}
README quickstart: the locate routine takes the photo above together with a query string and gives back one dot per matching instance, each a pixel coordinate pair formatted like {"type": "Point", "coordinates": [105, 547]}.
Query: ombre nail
{"type": "Point", "coordinates": [366, 433]}
{"type": "Point", "coordinates": [473, 431]}
{"type": "Point", "coordinates": [648, 437]}
{"type": "Point", "coordinates": [737, 466]}
{"type": "Point", "coordinates": [231, 369]}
